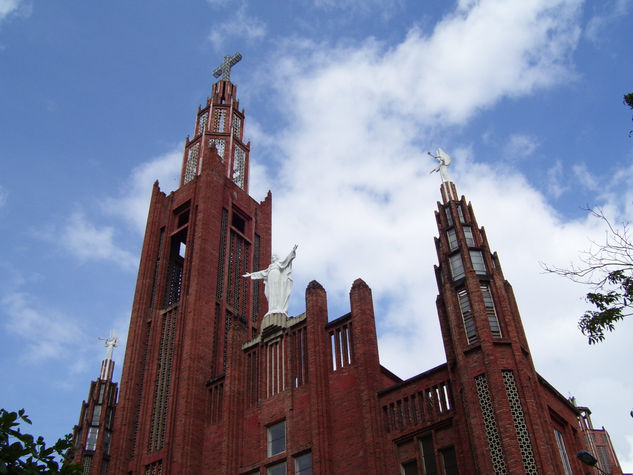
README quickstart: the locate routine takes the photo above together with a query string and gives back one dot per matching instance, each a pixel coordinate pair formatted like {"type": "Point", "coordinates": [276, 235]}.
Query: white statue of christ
{"type": "Point", "coordinates": [277, 279]}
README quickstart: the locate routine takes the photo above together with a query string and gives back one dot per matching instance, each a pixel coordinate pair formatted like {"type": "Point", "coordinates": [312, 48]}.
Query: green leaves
{"type": "Point", "coordinates": [21, 453]}
{"type": "Point", "coordinates": [612, 306]}
{"type": "Point", "coordinates": [628, 100]}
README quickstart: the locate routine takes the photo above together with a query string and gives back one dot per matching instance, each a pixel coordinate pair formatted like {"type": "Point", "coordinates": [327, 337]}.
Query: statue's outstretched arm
{"type": "Point", "coordinates": [290, 256]}
{"type": "Point", "coordinates": [262, 274]}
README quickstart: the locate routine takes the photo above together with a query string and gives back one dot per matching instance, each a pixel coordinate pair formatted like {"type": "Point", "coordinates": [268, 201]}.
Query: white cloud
{"type": "Point", "coordinates": [356, 144]}
{"type": "Point", "coordinates": [470, 61]}
{"type": "Point", "coordinates": [611, 12]}
{"type": "Point", "coordinates": [555, 177]}
{"type": "Point", "coordinates": [385, 7]}
{"type": "Point", "coordinates": [48, 334]}
{"type": "Point", "coordinates": [626, 459]}
{"type": "Point", "coordinates": [4, 195]}
{"type": "Point", "coordinates": [240, 25]}
{"type": "Point", "coordinates": [88, 242]}
{"type": "Point", "coordinates": [520, 146]}
{"type": "Point", "coordinates": [133, 201]}
{"type": "Point", "coordinates": [586, 179]}
{"type": "Point", "coordinates": [7, 7]}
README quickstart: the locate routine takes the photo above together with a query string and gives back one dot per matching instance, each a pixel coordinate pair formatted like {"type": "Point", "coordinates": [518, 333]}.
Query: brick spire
{"type": "Point", "coordinates": [486, 348]}
{"type": "Point", "coordinates": [92, 435]}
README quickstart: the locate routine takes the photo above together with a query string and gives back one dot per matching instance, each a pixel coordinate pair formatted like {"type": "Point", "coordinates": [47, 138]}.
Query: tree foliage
{"type": "Point", "coordinates": [22, 453]}
{"type": "Point", "coordinates": [608, 269]}
{"type": "Point", "coordinates": [628, 100]}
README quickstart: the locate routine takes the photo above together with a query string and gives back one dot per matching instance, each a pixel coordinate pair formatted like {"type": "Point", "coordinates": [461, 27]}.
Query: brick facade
{"type": "Point", "coordinates": [208, 388]}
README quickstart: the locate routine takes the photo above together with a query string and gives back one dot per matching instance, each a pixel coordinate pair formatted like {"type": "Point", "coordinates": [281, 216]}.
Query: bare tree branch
{"type": "Point", "coordinates": [608, 269]}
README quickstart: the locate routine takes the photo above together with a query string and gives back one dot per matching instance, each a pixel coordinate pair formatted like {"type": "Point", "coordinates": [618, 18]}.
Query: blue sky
{"type": "Point", "coordinates": [343, 99]}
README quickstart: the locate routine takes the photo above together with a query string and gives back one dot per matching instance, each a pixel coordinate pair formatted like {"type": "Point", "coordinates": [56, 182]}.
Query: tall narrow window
{"type": "Point", "coordinates": [239, 167]}
{"type": "Point", "coordinates": [91, 441]}
{"type": "Point", "coordinates": [449, 218]}
{"type": "Point", "coordinates": [107, 440]}
{"type": "Point", "coordinates": [202, 122]}
{"type": "Point", "coordinates": [457, 266]}
{"type": "Point", "coordinates": [96, 414]}
{"type": "Point", "coordinates": [277, 469]}
{"type": "Point", "coordinates": [220, 120]}
{"type": "Point", "coordinates": [468, 233]}
{"type": "Point", "coordinates": [409, 468]}
{"type": "Point", "coordinates": [460, 214]}
{"type": "Point", "coordinates": [452, 239]}
{"type": "Point", "coordinates": [477, 258]}
{"type": "Point", "coordinates": [449, 461]}
{"type": "Point", "coordinates": [176, 263]}
{"type": "Point", "coordinates": [191, 168]}
{"type": "Point", "coordinates": [493, 321]}
{"type": "Point", "coordinates": [563, 453]}
{"type": "Point", "coordinates": [303, 464]}
{"type": "Point", "coordinates": [467, 316]}
{"type": "Point", "coordinates": [427, 455]}
{"type": "Point", "coordinates": [605, 460]}
{"type": "Point", "coordinates": [276, 438]}
{"type": "Point", "coordinates": [87, 464]}
{"type": "Point", "coordinates": [236, 126]}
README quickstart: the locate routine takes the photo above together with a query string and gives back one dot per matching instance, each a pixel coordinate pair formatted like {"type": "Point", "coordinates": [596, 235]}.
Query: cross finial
{"type": "Point", "coordinates": [225, 69]}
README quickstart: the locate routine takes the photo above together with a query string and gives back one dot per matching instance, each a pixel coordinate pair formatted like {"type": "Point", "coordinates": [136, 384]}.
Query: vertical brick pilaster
{"type": "Point", "coordinates": [318, 368]}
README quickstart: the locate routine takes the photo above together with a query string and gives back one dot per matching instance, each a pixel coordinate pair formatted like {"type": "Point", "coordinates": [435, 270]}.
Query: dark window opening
{"type": "Point", "coordinates": [427, 453]}
{"type": "Point", "coordinates": [183, 218]}
{"type": "Point", "coordinates": [176, 264]}
{"type": "Point", "coordinates": [449, 460]}
{"type": "Point", "coordinates": [410, 468]}
{"type": "Point", "coordinates": [238, 222]}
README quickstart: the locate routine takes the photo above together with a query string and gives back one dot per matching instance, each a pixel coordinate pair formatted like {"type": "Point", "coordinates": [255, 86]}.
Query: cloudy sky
{"type": "Point", "coordinates": [343, 99]}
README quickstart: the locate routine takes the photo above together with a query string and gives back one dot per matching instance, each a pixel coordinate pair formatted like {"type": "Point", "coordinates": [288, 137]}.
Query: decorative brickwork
{"type": "Point", "coordinates": [219, 120]}
{"type": "Point", "coordinates": [220, 146]}
{"type": "Point", "coordinates": [523, 436]}
{"type": "Point", "coordinates": [155, 468]}
{"type": "Point", "coordinates": [490, 424]}
{"type": "Point", "coordinates": [163, 380]}
{"type": "Point", "coordinates": [202, 122]}
{"type": "Point", "coordinates": [191, 169]}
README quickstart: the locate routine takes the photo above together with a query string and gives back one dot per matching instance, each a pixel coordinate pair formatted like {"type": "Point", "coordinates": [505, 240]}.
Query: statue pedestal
{"type": "Point", "coordinates": [273, 326]}
{"type": "Point", "coordinates": [273, 322]}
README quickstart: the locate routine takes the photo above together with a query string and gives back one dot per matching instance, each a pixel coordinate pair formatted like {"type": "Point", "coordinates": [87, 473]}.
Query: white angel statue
{"type": "Point", "coordinates": [444, 159]}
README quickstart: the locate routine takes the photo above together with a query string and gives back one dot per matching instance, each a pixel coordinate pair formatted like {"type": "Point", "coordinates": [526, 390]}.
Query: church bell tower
{"type": "Point", "coordinates": [199, 241]}
{"type": "Point", "coordinates": [495, 385]}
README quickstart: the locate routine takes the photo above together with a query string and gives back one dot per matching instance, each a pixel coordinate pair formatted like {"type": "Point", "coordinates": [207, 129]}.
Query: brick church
{"type": "Point", "coordinates": [210, 386]}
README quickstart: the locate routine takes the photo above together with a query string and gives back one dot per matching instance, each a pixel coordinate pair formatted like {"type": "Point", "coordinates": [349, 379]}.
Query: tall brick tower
{"type": "Point", "coordinates": [489, 361]}
{"type": "Point", "coordinates": [199, 240]}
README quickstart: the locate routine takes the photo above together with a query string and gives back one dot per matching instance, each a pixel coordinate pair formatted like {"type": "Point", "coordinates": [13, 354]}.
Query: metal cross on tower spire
{"type": "Point", "coordinates": [225, 69]}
